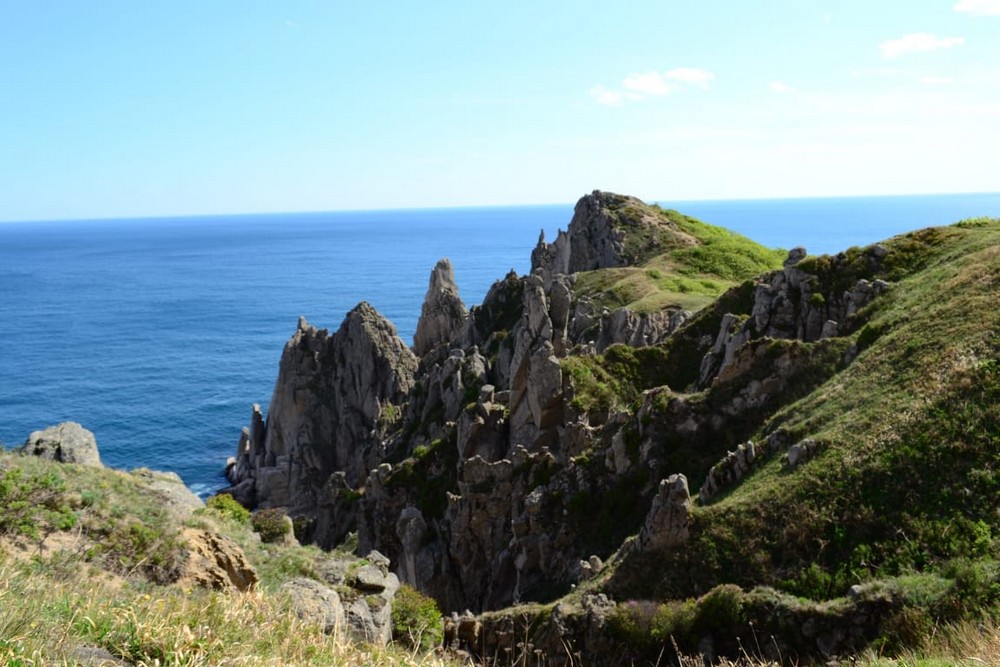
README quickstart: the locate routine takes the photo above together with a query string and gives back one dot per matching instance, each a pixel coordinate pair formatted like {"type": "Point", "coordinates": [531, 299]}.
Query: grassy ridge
{"type": "Point", "coordinates": [681, 262]}
{"type": "Point", "coordinates": [905, 484]}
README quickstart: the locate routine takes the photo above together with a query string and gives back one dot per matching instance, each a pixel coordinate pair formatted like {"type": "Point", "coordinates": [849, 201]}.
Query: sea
{"type": "Point", "coordinates": [158, 334]}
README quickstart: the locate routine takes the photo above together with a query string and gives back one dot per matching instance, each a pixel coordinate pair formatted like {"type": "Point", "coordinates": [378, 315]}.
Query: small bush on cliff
{"type": "Point", "coordinates": [33, 504]}
{"type": "Point", "coordinates": [227, 506]}
{"type": "Point", "coordinates": [271, 525]}
{"type": "Point", "coordinates": [416, 620]}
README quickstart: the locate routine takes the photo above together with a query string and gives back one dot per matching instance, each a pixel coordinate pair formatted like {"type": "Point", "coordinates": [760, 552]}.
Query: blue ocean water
{"type": "Point", "coordinates": [158, 334]}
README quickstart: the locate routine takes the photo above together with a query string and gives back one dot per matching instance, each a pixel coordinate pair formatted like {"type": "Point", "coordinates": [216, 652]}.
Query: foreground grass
{"type": "Point", "coordinates": [51, 610]}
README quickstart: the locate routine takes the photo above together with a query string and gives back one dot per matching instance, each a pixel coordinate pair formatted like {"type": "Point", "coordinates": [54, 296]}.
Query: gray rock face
{"type": "Point", "coordinates": [793, 304]}
{"type": "Point", "coordinates": [330, 394]}
{"type": "Point", "coordinates": [68, 442]}
{"type": "Point", "coordinates": [443, 313]}
{"type": "Point", "coordinates": [593, 240]}
{"type": "Point", "coordinates": [638, 329]}
{"type": "Point", "coordinates": [667, 523]}
{"type": "Point", "coordinates": [536, 376]}
{"type": "Point", "coordinates": [727, 472]}
{"type": "Point", "coordinates": [315, 603]}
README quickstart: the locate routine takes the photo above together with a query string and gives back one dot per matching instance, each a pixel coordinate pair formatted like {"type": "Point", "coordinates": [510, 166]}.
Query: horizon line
{"type": "Point", "coordinates": [459, 207]}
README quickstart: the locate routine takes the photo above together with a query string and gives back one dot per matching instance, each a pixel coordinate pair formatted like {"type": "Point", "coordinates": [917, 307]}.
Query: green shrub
{"type": "Point", "coordinates": [227, 506]}
{"type": "Point", "coordinates": [152, 549]}
{"type": "Point", "coordinates": [271, 525]}
{"type": "Point", "coordinates": [416, 620]}
{"type": "Point", "coordinates": [721, 609]}
{"type": "Point", "coordinates": [33, 505]}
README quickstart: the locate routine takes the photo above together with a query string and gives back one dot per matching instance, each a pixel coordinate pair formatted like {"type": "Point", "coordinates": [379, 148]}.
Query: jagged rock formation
{"type": "Point", "coordinates": [443, 313]}
{"type": "Point", "coordinates": [68, 442]}
{"type": "Point", "coordinates": [607, 230]}
{"type": "Point", "coordinates": [330, 394]}
{"type": "Point", "coordinates": [536, 435]}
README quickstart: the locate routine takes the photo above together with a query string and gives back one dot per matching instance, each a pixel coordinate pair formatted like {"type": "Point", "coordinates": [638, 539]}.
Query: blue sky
{"type": "Point", "coordinates": [123, 108]}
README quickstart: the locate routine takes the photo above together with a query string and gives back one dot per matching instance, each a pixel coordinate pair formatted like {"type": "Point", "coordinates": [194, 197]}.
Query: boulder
{"type": "Point", "coordinates": [216, 562]}
{"type": "Point", "coordinates": [68, 442]}
{"type": "Point", "coordinates": [667, 524]}
{"type": "Point", "coordinates": [315, 603]}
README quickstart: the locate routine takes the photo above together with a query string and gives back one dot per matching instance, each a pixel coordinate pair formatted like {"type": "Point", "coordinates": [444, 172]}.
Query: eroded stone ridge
{"type": "Point", "coordinates": [330, 394]}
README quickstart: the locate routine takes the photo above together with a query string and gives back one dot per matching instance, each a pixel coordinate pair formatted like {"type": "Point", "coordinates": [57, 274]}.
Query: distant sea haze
{"type": "Point", "coordinates": [159, 334]}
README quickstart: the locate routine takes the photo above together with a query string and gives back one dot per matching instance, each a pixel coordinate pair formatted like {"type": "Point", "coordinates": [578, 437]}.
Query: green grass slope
{"type": "Point", "coordinates": [676, 261]}
{"type": "Point", "coordinates": [89, 559]}
{"type": "Point", "coordinates": [903, 493]}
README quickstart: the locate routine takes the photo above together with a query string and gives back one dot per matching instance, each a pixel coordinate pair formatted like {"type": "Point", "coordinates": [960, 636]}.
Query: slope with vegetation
{"type": "Point", "coordinates": [666, 441]}
{"type": "Point", "coordinates": [102, 567]}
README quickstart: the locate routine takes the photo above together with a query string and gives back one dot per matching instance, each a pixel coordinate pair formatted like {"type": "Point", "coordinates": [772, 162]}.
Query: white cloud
{"type": "Point", "coordinates": [291, 24]}
{"type": "Point", "coordinates": [646, 83]}
{"type": "Point", "coordinates": [637, 87]}
{"type": "Point", "coordinates": [690, 75]}
{"type": "Point", "coordinates": [606, 97]}
{"type": "Point", "coordinates": [978, 7]}
{"type": "Point", "coordinates": [936, 80]}
{"type": "Point", "coordinates": [780, 87]}
{"type": "Point", "coordinates": [917, 42]}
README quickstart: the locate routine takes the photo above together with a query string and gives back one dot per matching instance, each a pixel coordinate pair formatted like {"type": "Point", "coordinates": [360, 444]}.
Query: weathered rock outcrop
{"type": "Point", "coordinates": [354, 598]}
{"type": "Point", "coordinates": [794, 304]}
{"type": "Point", "coordinates": [214, 561]}
{"type": "Point", "coordinates": [68, 442]}
{"type": "Point", "coordinates": [323, 417]}
{"type": "Point", "coordinates": [667, 524]}
{"type": "Point", "coordinates": [596, 236]}
{"type": "Point", "coordinates": [443, 313]}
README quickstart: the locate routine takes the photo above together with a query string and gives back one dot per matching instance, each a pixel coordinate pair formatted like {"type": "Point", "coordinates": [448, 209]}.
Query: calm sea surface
{"type": "Point", "coordinates": [158, 334]}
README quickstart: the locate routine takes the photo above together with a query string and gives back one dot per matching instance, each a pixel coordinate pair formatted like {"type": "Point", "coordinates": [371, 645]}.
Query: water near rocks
{"type": "Point", "coordinates": [158, 334]}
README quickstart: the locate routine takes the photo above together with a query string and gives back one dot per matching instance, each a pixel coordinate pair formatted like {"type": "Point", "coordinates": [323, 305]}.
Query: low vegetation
{"type": "Point", "coordinates": [88, 558]}
{"type": "Point", "coordinates": [680, 262]}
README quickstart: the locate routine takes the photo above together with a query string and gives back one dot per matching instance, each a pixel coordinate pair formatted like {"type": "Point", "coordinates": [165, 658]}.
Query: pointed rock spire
{"type": "Point", "coordinates": [443, 312]}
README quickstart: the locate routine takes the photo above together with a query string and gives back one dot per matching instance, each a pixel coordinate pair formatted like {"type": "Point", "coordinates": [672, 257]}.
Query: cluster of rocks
{"type": "Point", "coordinates": [733, 467]}
{"type": "Point", "coordinates": [465, 460]}
{"type": "Point", "coordinates": [348, 408]}
{"type": "Point", "coordinates": [353, 597]}
{"type": "Point", "coordinates": [792, 304]}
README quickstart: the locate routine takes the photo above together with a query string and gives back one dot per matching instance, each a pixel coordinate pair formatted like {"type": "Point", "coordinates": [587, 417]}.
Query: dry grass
{"type": "Point", "coordinates": [50, 610]}
{"type": "Point", "coordinates": [962, 644]}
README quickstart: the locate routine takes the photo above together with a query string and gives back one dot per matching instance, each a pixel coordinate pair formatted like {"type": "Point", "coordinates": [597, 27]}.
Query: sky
{"type": "Point", "coordinates": [112, 108]}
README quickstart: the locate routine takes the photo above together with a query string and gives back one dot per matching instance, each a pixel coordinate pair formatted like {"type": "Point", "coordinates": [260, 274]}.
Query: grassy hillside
{"type": "Point", "coordinates": [89, 565]}
{"type": "Point", "coordinates": [902, 496]}
{"type": "Point", "coordinates": [679, 262]}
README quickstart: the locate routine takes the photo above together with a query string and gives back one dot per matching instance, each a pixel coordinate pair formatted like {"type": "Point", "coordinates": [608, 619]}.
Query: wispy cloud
{"type": "Point", "coordinates": [291, 24]}
{"type": "Point", "coordinates": [937, 80]}
{"type": "Point", "coordinates": [917, 42]}
{"type": "Point", "coordinates": [690, 75]}
{"type": "Point", "coordinates": [978, 7]}
{"type": "Point", "coordinates": [652, 83]}
{"type": "Point", "coordinates": [647, 83]}
{"type": "Point", "coordinates": [780, 87]}
{"type": "Point", "coordinates": [606, 97]}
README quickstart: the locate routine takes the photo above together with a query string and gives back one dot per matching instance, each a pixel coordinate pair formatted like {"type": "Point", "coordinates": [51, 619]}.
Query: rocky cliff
{"type": "Point", "coordinates": [331, 397]}
{"type": "Point", "coordinates": [553, 437]}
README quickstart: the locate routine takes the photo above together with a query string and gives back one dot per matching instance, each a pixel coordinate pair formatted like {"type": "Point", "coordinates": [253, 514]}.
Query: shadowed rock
{"type": "Point", "coordinates": [68, 442]}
